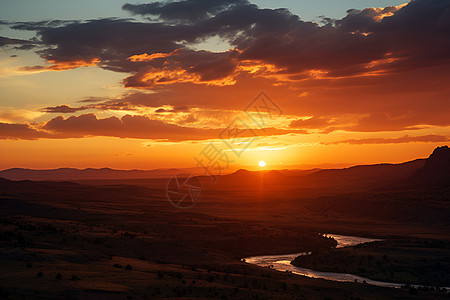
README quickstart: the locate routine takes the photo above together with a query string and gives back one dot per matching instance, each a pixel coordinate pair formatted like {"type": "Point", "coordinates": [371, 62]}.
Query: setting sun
{"type": "Point", "coordinates": [262, 163]}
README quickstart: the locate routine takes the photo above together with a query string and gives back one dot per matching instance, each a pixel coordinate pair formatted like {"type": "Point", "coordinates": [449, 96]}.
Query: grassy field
{"type": "Point", "coordinates": [54, 259]}
{"type": "Point", "coordinates": [117, 241]}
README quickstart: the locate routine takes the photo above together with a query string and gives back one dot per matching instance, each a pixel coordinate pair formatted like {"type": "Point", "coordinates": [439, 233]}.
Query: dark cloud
{"type": "Point", "coordinates": [369, 41]}
{"type": "Point", "coordinates": [388, 68]}
{"type": "Point", "coordinates": [132, 100]}
{"type": "Point", "coordinates": [139, 127]}
{"type": "Point", "coordinates": [188, 66]}
{"type": "Point", "coordinates": [40, 25]}
{"type": "Point", "coordinates": [62, 109]}
{"type": "Point", "coordinates": [182, 11]}
{"type": "Point", "coordinates": [128, 101]}
{"type": "Point", "coordinates": [25, 47]}
{"type": "Point", "coordinates": [110, 40]}
{"type": "Point", "coordinates": [127, 126]}
{"type": "Point", "coordinates": [107, 105]}
{"type": "Point", "coordinates": [365, 20]}
{"type": "Point", "coordinates": [18, 43]}
{"type": "Point", "coordinates": [326, 20]}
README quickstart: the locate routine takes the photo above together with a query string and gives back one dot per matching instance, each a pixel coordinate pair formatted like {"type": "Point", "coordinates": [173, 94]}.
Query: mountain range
{"type": "Point", "coordinates": [431, 172]}
{"type": "Point", "coordinates": [67, 174]}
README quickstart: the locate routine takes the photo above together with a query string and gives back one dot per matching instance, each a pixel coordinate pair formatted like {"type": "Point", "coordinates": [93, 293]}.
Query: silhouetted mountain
{"type": "Point", "coordinates": [242, 173]}
{"type": "Point", "coordinates": [89, 173]}
{"type": "Point", "coordinates": [432, 171]}
{"type": "Point", "coordinates": [265, 177]}
{"type": "Point", "coordinates": [28, 186]}
{"type": "Point", "coordinates": [365, 176]}
{"type": "Point", "coordinates": [356, 177]}
{"type": "Point", "coordinates": [436, 171]}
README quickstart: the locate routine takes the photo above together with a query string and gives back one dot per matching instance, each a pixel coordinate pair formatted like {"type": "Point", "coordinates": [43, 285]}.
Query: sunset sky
{"type": "Point", "coordinates": [165, 84]}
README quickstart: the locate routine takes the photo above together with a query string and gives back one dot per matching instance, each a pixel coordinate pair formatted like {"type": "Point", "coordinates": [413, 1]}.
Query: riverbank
{"type": "Point", "coordinates": [409, 261]}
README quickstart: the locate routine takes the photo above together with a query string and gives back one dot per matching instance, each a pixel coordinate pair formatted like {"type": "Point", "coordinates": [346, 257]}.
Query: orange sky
{"type": "Point", "coordinates": [369, 87]}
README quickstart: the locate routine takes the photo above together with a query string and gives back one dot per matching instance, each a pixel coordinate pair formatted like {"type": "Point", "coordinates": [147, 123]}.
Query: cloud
{"type": "Point", "coordinates": [20, 131]}
{"type": "Point", "coordinates": [173, 110]}
{"type": "Point", "coordinates": [376, 69]}
{"type": "Point", "coordinates": [149, 57]}
{"type": "Point", "coordinates": [62, 65]}
{"type": "Point", "coordinates": [372, 41]}
{"type": "Point", "coordinates": [65, 109]}
{"type": "Point", "coordinates": [138, 127]}
{"type": "Point", "coordinates": [185, 66]}
{"type": "Point", "coordinates": [182, 11]}
{"type": "Point", "coordinates": [106, 105]}
{"type": "Point", "coordinates": [313, 122]}
{"type": "Point", "coordinates": [363, 21]}
{"type": "Point", "coordinates": [18, 43]}
{"type": "Point", "coordinates": [40, 25]}
{"type": "Point", "coordinates": [432, 138]}
{"type": "Point", "coordinates": [406, 121]}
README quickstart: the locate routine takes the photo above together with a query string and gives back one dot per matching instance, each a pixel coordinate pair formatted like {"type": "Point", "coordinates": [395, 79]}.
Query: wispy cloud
{"type": "Point", "coordinates": [431, 138]}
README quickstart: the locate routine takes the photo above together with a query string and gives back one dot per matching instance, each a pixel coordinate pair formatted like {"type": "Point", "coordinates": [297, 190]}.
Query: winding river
{"type": "Point", "coordinates": [283, 263]}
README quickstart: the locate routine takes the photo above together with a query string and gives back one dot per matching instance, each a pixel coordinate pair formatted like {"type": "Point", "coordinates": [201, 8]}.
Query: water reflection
{"type": "Point", "coordinates": [283, 263]}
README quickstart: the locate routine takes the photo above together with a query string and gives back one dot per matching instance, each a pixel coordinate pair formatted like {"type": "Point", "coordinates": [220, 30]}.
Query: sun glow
{"type": "Point", "coordinates": [262, 163]}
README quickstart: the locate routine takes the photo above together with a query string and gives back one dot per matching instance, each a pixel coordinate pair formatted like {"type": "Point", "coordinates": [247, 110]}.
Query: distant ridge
{"type": "Point", "coordinates": [284, 172]}
{"type": "Point", "coordinates": [367, 175]}
{"type": "Point", "coordinates": [356, 177]}
{"type": "Point", "coordinates": [435, 170]}
{"type": "Point", "coordinates": [62, 174]}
